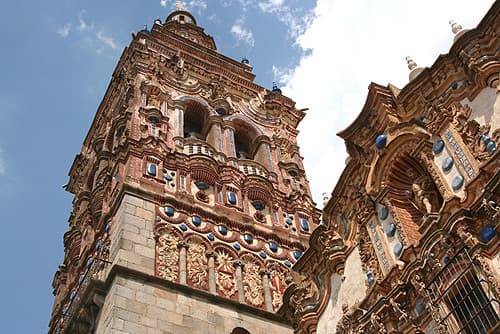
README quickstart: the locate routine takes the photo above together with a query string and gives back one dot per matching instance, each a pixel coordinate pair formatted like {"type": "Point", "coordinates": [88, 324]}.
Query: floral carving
{"type": "Point", "coordinates": [254, 291]}
{"type": "Point", "coordinates": [168, 256]}
{"type": "Point", "coordinates": [224, 275]}
{"type": "Point", "coordinates": [197, 265]}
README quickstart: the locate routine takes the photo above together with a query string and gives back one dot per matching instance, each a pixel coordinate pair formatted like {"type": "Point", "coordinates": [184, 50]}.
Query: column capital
{"type": "Point", "coordinates": [182, 244]}
{"type": "Point", "coordinates": [238, 263]}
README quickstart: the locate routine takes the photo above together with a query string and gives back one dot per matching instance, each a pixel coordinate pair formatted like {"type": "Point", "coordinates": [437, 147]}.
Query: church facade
{"type": "Point", "coordinates": [409, 238]}
{"type": "Point", "coordinates": [192, 211]}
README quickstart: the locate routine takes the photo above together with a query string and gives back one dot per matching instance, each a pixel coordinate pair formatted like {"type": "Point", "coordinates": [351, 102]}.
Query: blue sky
{"type": "Point", "coordinates": [58, 57]}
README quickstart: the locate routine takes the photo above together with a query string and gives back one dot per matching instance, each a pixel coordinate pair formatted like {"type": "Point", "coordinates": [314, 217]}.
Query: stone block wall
{"type": "Point", "coordinates": [139, 307]}
{"type": "Point", "coordinates": [137, 302]}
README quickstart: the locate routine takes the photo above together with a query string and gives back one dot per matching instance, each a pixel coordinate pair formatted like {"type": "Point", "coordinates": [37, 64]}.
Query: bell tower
{"type": "Point", "coordinates": [191, 202]}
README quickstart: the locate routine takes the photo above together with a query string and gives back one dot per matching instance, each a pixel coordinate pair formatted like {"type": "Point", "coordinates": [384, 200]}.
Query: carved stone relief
{"type": "Point", "coordinates": [197, 265]}
{"type": "Point", "coordinates": [168, 256]}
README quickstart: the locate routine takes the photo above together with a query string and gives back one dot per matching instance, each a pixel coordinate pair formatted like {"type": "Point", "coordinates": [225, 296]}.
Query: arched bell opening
{"type": "Point", "coordinates": [195, 120]}
{"type": "Point", "coordinates": [244, 139]}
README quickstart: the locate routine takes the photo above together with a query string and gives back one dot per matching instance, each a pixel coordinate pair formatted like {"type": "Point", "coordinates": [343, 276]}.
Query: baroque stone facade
{"type": "Point", "coordinates": [408, 241]}
{"type": "Point", "coordinates": [192, 205]}
{"type": "Point", "coordinates": [190, 187]}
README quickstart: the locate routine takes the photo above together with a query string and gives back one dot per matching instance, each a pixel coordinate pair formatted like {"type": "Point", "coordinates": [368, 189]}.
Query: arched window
{"type": "Point", "coordinates": [195, 119]}
{"type": "Point", "coordinates": [244, 139]}
{"type": "Point", "coordinates": [239, 330]}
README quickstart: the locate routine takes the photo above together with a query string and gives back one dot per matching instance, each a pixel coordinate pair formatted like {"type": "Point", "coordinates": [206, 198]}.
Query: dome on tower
{"type": "Point", "coordinates": [181, 15]}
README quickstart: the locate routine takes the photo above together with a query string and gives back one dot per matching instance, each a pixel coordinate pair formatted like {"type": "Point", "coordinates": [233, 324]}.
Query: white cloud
{"type": "Point", "coordinates": [163, 3]}
{"type": "Point", "coordinates": [349, 44]}
{"type": "Point", "coordinates": [271, 5]}
{"type": "Point", "coordinates": [95, 39]}
{"type": "Point", "coordinates": [242, 34]}
{"type": "Point", "coordinates": [107, 40]}
{"type": "Point", "coordinates": [64, 30]}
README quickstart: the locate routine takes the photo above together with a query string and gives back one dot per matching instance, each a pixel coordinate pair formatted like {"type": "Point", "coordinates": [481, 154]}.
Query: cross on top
{"type": "Point", "coordinates": [180, 5]}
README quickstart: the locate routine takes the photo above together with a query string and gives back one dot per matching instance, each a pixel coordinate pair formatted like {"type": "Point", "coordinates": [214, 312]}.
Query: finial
{"type": "Point", "coordinates": [275, 88]}
{"type": "Point", "coordinates": [158, 21]}
{"type": "Point", "coordinates": [180, 5]}
{"type": "Point", "coordinates": [411, 63]}
{"type": "Point", "coordinates": [245, 61]}
{"type": "Point", "coordinates": [455, 27]}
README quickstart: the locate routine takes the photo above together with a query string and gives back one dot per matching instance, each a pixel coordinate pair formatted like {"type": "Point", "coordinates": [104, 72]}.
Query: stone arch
{"type": "Point", "coordinates": [239, 330]}
{"type": "Point", "coordinates": [195, 121]}
{"type": "Point", "coordinates": [411, 191]}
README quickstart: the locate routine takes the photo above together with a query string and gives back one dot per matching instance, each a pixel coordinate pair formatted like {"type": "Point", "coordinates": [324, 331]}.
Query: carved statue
{"type": "Point", "coordinates": [467, 237]}
{"type": "Point", "coordinates": [403, 315]}
{"type": "Point", "coordinates": [377, 323]}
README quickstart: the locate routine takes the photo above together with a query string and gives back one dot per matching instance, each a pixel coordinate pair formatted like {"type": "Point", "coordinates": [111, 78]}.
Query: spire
{"type": "Point", "coordinates": [414, 69]}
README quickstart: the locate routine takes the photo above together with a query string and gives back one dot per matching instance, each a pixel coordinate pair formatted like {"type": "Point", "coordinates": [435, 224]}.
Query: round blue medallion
{"type": "Point", "coordinates": [108, 226]}
{"type": "Point", "coordinates": [169, 211]}
{"type": "Point", "coordinates": [263, 254]}
{"type": "Point", "coordinates": [236, 246]}
{"type": "Point", "coordinates": [398, 248]}
{"type": "Point", "coordinates": [421, 118]}
{"type": "Point", "coordinates": [73, 295]}
{"type": "Point", "coordinates": [196, 220]}
{"type": "Point", "coordinates": [438, 147]}
{"type": "Point", "coordinates": [454, 85]}
{"type": "Point", "coordinates": [288, 221]}
{"type": "Point", "coordinates": [248, 238]}
{"type": "Point", "coordinates": [201, 185]}
{"type": "Point", "coordinates": [383, 213]}
{"type": "Point", "coordinates": [390, 230]}
{"type": "Point", "coordinates": [370, 279]}
{"type": "Point", "coordinates": [273, 247]}
{"type": "Point", "coordinates": [420, 305]}
{"type": "Point", "coordinates": [485, 138]}
{"type": "Point", "coordinates": [80, 279]}
{"type": "Point", "coordinates": [98, 245]}
{"type": "Point", "coordinates": [220, 111]}
{"type": "Point", "coordinates": [297, 254]}
{"type": "Point", "coordinates": [210, 237]}
{"type": "Point", "coordinates": [287, 263]}
{"type": "Point", "coordinates": [168, 177]}
{"type": "Point", "coordinates": [304, 224]}
{"type": "Point", "coordinates": [457, 182]}
{"type": "Point", "coordinates": [381, 141]}
{"type": "Point", "coordinates": [292, 173]}
{"type": "Point", "coordinates": [151, 169]}
{"type": "Point", "coordinates": [65, 310]}
{"type": "Point", "coordinates": [491, 147]}
{"type": "Point", "coordinates": [446, 259]}
{"type": "Point", "coordinates": [488, 233]}
{"type": "Point", "coordinates": [447, 164]}
{"type": "Point", "coordinates": [231, 197]}
{"type": "Point", "coordinates": [183, 227]}
{"type": "Point", "coordinates": [222, 229]}
{"type": "Point", "coordinates": [158, 218]}
{"type": "Point", "coordinates": [258, 205]}
{"type": "Point", "coordinates": [90, 262]}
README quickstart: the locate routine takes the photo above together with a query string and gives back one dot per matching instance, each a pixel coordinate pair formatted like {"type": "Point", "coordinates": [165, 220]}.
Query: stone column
{"type": "Point", "coordinates": [183, 246]}
{"type": "Point", "coordinates": [211, 273]}
{"type": "Point", "coordinates": [178, 121]}
{"type": "Point", "coordinates": [239, 280]}
{"type": "Point", "coordinates": [267, 290]}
